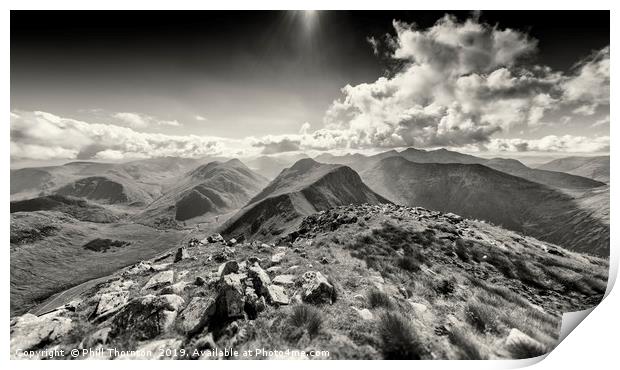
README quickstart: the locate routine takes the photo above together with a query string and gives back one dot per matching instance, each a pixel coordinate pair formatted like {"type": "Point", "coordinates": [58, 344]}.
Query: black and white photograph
{"type": "Point", "coordinates": [306, 184]}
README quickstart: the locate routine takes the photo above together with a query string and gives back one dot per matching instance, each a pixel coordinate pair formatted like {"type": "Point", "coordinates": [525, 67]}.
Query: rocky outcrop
{"type": "Point", "coordinates": [316, 288]}
{"type": "Point", "coordinates": [31, 332]}
{"type": "Point", "coordinates": [147, 317]}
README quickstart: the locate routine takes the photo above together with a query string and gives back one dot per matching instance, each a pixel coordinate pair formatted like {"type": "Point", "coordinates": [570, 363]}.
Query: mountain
{"type": "Point", "coordinates": [510, 166]}
{"type": "Point", "coordinates": [477, 191]}
{"type": "Point", "coordinates": [270, 166]}
{"type": "Point", "coordinates": [141, 180]}
{"type": "Point", "coordinates": [304, 188]}
{"type": "Point", "coordinates": [596, 168]}
{"type": "Point", "coordinates": [77, 208]}
{"type": "Point", "coordinates": [208, 190]}
{"type": "Point", "coordinates": [392, 282]}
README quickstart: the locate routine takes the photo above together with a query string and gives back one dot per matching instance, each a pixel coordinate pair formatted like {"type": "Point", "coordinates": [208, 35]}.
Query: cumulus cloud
{"type": "Point", "coordinates": [137, 120]}
{"type": "Point", "coordinates": [42, 135]}
{"type": "Point", "coordinates": [374, 44]}
{"type": "Point", "coordinates": [590, 85]}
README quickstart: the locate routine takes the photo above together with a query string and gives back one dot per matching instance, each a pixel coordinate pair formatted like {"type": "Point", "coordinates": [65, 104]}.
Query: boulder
{"type": "Point", "coordinates": [215, 238]}
{"type": "Point", "coordinates": [277, 295]}
{"type": "Point", "coordinates": [231, 299]}
{"type": "Point", "coordinates": [365, 313]}
{"type": "Point", "coordinates": [177, 288]}
{"type": "Point", "coordinates": [31, 332]}
{"type": "Point", "coordinates": [232, 242]}
{"type": "Point", "coordinates": [284, 280]}
{"type": "Point", "coordinates": [277, 258]}
{"type": "Point", "coordinates": [253, 303]}
{"type": "Point", "coordinates": [159, 280]}
{"type": "Point", "coordinates": [194, 317]}
{"type": "Point", "coordinates": [228, 267]}
{"type": "Point", "coordinates": [181, 255]}
{"type": "Point", "coordinates": [316, 288]}
{"type": "Point", "coordinates": [108, 302]}
{"type": "Point", "coordinates": [146, 317]}
{"type": "Point", "coordinates": [260, 279]}
{"type": "Point", "coordinates": [138, 268]}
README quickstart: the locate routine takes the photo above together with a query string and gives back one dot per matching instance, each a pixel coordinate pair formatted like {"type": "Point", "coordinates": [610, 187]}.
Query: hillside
{"type": "Point", "coordinates": [596, 168]}
{"type": "Point", "coordinates": [361, 282]}
{"type": "Point", "coordinates": [477, 191]}
{"type": "Point", "coordinates": [208, 190]}
{"type": "Point", "coordinates": [304, 188]}
{"type": "Point", "coordinates": [76, 208]}
{"type": "Point", "coordinates": [141, 180]}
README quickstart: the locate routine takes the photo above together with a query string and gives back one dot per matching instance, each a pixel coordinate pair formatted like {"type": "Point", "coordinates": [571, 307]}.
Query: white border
{"type": "Point", "coordinates": [592, 345]}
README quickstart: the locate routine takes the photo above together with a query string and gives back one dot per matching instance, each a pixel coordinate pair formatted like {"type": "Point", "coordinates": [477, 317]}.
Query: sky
{"type": "Point", "coordinates": [115, 86]}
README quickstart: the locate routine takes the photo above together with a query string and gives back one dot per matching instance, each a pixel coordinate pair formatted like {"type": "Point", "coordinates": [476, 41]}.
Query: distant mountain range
{"type": "Point", "coordinates": [596, 168]}
{"type": "Point", "coordinates": [552, 205]}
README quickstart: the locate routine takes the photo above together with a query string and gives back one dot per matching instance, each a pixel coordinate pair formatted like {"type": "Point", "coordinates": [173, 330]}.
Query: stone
{"type": "Point", "coordinates": [162, 349]}
{"type": "Point", "coordinates": [232, 242]}
{"type": "Point", "coordinates": [419, 308]}
{"type": "Point", "coordinates": [228, 267]}
{"type": "Point", "coordinates": [259, 278]}
{"type": "Point", "coordinates": [231, 299]}
{"type": "Point", "coordinates": [277, 295]}
{"type": "Point", "coordinates": [253, 260]}
{"type": "Point", "coordinates": [365, 313]}
{"type": "Point", "coordinates": [108, 302]}
{"type": "Point", "coordinates": [274, 269]}
{"type": "Point", "coordinates": [138, 268]}
{"type": "Point", "coordinates": [277, 258]}
{"type": "Point", "coordinates": [200, 281]}
{"type": "Point", "coordinates": [159, 280]}
{"type": "Point", "coordinates": [316, 288]}
{"type": "Point", "coordinates": [177, 288]}
{"type": "Point", "coordinates": [194, 317]}
{"type": "Point", "coordinates": [181, 255]}
{"type": "Point", "coordinates": [253, 303]}
{"type": "Point", "coordinates": [146, 317]}
{"type": "Point", "coordinates": [31, 332]}
{"type": "Point", "coordinates": [284, 280]}
{"type": "Point", "coordinates": [215, 238]}
{"type": "Point", "coordinates": [324, 261]}
{"type": "Point", "coordinates": [160, 267]}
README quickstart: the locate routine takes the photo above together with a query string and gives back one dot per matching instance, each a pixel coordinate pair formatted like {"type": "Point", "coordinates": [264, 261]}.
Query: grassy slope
{"type": "Point", "coordinates": [58, 261]}
{"type": "Point", "coordinates": [476, 191]}
{"type": "Point", "coordinates": [475, 281]}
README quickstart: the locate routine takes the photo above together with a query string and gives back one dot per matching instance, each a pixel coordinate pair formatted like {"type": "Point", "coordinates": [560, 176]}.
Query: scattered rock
{"type": "Point", "coordinates": [277, 258]}
{"type": "Point", "coordinates": [181, 254]}
{"type": "Point", "coordinates": [277, 295]}
{"type": "Point", "coordinates": [365, 313]}
{"type": "Point", "coordinates": [160, 267]}
{"type": "Point", "coordinates": [274, 269]}
{"type": "Point", "coordinates": [324, 261]}
{"type": "Point", "coordinates": [215, 238]}
{"type": "Point", "coordinates": [200, 281]}
{"type": "Point", "coordinates": [284, 280]}
{"type": "Point", "coordinates": [228, 267]}
{"type": "Point", "coordinates": [259, 278]}
{"type": "Point", "coordinates": [177, 288]}
{"type": "Point", "coordinates": [159, 280]}
{"type": "Point", "coordinates": [194, 317]}
{"type": "Point", "coordinates": [146, 317]}
{"type": "Point", "coordinates": [232, 242]}
{"type": "Point", "coordinates": [231, 300]}
{"type": "Point", "coordinates": [316, 288]}
{"type": "Point", "coordinates": [31, 332]}
{"type": "Point", "coordinates": [109, 302]}
{"type": "Point", "coordinates": [138, 268]}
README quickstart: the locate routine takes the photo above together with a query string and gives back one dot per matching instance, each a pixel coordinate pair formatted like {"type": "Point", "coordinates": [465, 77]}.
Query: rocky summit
{"type": "Point", "coordinates": [360, 281]}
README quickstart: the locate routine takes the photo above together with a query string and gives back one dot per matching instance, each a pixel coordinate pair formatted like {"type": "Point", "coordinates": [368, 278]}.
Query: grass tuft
{"type": "Point", "coordinates": [377, 298]}
{"type": "Point", "coordinates": [398, 339]}
{"type": "Point", "coordinates": [306, 317]}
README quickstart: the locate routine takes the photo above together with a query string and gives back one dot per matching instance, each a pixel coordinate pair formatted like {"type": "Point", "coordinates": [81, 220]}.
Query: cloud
{"type": "Point", "coordinates": [552, 143]}
{"type": "Point", "coordinates": [42, 135]}
{"type": "Point", "coordinates": [590, 85]}
{"type": "Point", "coordinates": [374, 43]}
{"type": "Point", "coordinates": [273, 145]}
{"type": "Point", "coordinates": [199, 118]}
{"type": "Point", "coordinates": [601, 121]}
{"type": "Point", "coordinates": [137, 120]}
